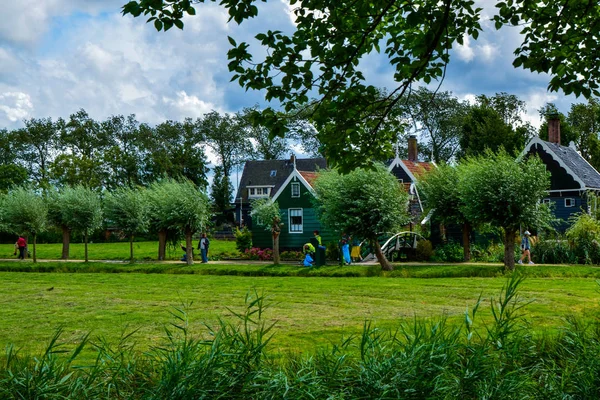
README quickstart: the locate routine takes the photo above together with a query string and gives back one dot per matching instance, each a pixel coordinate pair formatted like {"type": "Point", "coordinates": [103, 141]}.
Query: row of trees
{"type": "Point", "coordinates": [166, 207]}
{"type": "Point", "coordinates": [492, 189]}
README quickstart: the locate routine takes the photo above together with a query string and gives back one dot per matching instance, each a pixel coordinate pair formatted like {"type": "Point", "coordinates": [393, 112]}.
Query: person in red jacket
{"type": "Point", "coordinates": [22, 245]}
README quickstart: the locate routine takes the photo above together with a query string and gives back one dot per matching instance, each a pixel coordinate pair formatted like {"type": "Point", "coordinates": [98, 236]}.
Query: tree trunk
{"type": "Point", "coordinates": [385, 264]}
{"type": "Point", "coordinates": [162, 244]}
{"type": "Point", "coordinates": [276, 248]}
{"type": "Point", "coordinates": [85, 239]}
{"type": "Point", "coordinates": [131, 248]}
{"type": "Point", "coordinates": [34, 253]}
{"type": "Point", "coordinates": [466, 232]}
{"type": "Point", "coordinates": [189, 247]}
{"type": "Point", "coordinates": [66, 241]}
{"type": "Point", "coordinates": [509, 249]}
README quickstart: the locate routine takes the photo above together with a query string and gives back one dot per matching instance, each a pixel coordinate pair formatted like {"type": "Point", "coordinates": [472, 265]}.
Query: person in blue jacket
{"type": "Point", "coordinates": [526, 248]}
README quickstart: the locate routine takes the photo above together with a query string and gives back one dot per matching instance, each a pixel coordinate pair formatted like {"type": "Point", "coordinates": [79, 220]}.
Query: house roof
{"type": "Point", "coordinates": [418, 168]}
{"type": "Point", "coordinates": [309, 176]}
{"type": "Point", "coordinates": [571, 161]}
{"type": "Point", "coordinates": [273, 173]}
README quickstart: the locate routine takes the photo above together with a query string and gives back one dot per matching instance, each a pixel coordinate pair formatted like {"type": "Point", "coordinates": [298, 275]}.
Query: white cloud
{"type": "Point", "coordinates": [465, 52]}
{"type": "Point", "coordinates": [15, 105]}
{"type": "Point", "coordinates": [186, 105]}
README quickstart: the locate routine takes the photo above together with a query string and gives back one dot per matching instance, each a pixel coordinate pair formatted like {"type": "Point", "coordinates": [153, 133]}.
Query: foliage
{"type": "Point", "coordinates": [243, 239]}
{"type": "Point", "coordinates": [499, 190]}
{"type": "Point", "coordinates": [291, 255]}
{"type": "Point", "coordinates": [584, 238]}
{"type": "Point", "coordinates": [424, 250]}
{"type": "Point", "coordinates": [362, 203]}
{"type": "Point", "coordinates": [448, 252]}
{"type": "Point", "coordinates": [551, 251]}
{"type": "Point", "coordinates": [441, 195]}
{"type": "Point", "coordinates": [322, 57]}
{"type": "Point", "coordinates": [439, 117]}
{"type": "Point", "coordinates": [266, 213]}
{"type": "Point", "coordinates": [256, 253]}
{"type": "Point", "coordinates": [178, 205]}
{"type": "Point", "coordinates": [220, 196]}
{"type": "Point", "coordinates": [81, 208]}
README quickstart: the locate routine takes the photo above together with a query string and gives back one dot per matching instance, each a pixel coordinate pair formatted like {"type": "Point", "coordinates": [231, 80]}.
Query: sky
{"type": "Point", "coordinates": [58, 56]}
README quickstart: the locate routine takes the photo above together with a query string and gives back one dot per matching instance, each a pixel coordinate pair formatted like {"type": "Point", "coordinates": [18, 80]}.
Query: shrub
{"type": "Point", "coordinates": [291, 255]}
{"type": "Point", "coordinates": [584, 235]}
{"type": "Point", "coordinates": [449, 252]}
{"type": "Point", "coordinates": [256, 253]}
{"type": "Point", "coordinates": [243, 239]}
{"type": "Point", "coordinates": [424, 250]}
{"type": "Point", "coordinates": [553, 252]}
{"type": "Point", "coordinates": [332, 251]}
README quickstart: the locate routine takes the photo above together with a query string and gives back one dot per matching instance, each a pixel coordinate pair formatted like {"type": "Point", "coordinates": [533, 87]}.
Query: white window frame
{"type": "Point", "coordinates": [259, 191]}
{"type": "Point", "coordinates": [295, 228]}
{"type": "Point", "coordinates": [251, 192]}
{"type": "Point", "coordinates": [571, 200]}
{"type": "Point", "coordinates": [295, 185]}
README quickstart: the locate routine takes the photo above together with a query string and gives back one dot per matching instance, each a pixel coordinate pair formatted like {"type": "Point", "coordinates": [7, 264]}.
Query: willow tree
{"type": "Point", "coordinates": [504, 192]}
{"type": "Point", "coordinates": [266, 213]}
{"type": "Point", "coordinates": [362, 203]}
{"type": "Point", "coordinates": [127, 209]}
{"type": "Point", "coordinates": [178, 205]}
{"type": "Point", "coordinates": [81, 211]}
{"type": "Point", "coordinates": [25, 212]}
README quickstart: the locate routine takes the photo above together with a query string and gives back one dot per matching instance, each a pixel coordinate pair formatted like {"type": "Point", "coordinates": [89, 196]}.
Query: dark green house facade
{"type": "Point", "coordinates": [287, 182]}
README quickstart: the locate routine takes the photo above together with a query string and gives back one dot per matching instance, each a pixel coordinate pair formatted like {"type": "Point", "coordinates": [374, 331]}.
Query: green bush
{"type": "Point", "coordinates": [424, 250]}
{"type": "Point", "coordinates": [332, 251]}
{"type": "Point", "coordinates": [584, 238]}
{"type": "Point", "coordinates": [243, 239]}
{"type": "Point", "coordinates": [449, 252]}
{"type": "Point", "coordinates": [291, 255]}
{"type": "Point", "coordinates": [553, 252]}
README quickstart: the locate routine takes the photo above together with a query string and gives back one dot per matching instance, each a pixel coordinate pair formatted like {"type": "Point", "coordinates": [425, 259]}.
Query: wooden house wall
{"type": "Point", "coordinates": [401, 174]}
{"type": "Point", "coordinates": [564, 213]}
{"type": "Point", "coordinates": [293, 241]}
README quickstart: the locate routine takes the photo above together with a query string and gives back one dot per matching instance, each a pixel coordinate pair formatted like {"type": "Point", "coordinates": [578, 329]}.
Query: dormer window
{"type": "Point", "coordinates": [259, 191]}
{"type": "Point", "coordinates": [273, 173]}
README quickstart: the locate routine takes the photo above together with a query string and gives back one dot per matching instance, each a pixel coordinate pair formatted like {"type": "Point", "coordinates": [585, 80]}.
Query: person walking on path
{"type": "Point", "coordinates": [22, 245]}
{"type": "Point", "coordinates": [203, 247]}
{"type": "Point", "coordinates": [526, 248]}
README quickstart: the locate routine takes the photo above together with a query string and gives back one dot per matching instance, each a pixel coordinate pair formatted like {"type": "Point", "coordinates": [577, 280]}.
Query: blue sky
{"type": "Point", "coordinates": [57, 56]}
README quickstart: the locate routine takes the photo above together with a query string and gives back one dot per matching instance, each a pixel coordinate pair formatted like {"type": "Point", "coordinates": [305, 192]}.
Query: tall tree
{"type": "Point", "coordinates": [439, 118]}
{"type": "Point", "coordinates": [127, 209]}
{"type": "Point", "coordinates": [123, 157]}
{"type": "Point", "coordinates": [484, 129]}
{"type": "Point", "coordinates": [11, 173]}
{"type": "Point", "coordinates": [363, 204]}
{"type": "Point", "coordinates": [173, 149]}
{"type": "Point", "coordinates": [37, 146]}
{"type": "Point", "coordinates": [81, 162]}
{"type": "Point", "coordinates": [507, 193]}
{"type": "Point", "coordinates": [567, 133]}
{"type": "Point", "coordinates": [25, 212]}
{"type": "Point", "coordinates": [322, 56]}
{"type": "Point", "coordinates": [263, 145]}
{"type": "Point", "coordinates": [584, 119]}
{"type": "Point", "coordinates": [221, 196]}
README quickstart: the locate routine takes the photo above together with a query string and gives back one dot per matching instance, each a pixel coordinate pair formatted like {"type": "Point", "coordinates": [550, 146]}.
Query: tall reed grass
{"type": "Point", "coordinates": [232, 360]}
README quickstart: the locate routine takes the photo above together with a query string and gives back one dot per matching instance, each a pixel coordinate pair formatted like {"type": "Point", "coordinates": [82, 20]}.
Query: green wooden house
{"type": "Point", "coordinates": [287, 182]}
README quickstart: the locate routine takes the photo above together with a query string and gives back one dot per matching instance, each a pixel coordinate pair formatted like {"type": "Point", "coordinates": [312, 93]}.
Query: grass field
{"type": "Point", "coordinates": [308, 311]}
{"type": "Point", "coordinates": [114, 250]}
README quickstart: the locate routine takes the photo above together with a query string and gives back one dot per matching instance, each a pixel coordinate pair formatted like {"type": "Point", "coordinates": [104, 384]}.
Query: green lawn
{"type": "Point", "coordinates": [115, 250]}
{"type": "Point", "coordinates": [309, 311]}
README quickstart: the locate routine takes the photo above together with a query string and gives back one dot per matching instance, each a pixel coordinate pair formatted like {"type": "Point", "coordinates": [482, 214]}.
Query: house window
{"type": "Point", "coordinates": [259, 191]}
{"type": "Point", "coordinates": [569, 202]}
{"type": "Point", "coordinates": [274, 173]}
{"type": "Point", "coordinates": [547, 201]}
{"type": "Point", "coordinates": [251, 192]}
{"type": "Point", "coordinates": [295, 190]}
{"type": "Point", "coordinates": [295, 217]}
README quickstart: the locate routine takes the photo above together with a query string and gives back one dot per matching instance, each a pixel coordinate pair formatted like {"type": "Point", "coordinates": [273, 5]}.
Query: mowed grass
{"type": "Point", "coordinates": [309, 311]}
{"type": "Point", "coordinates": [115, 250]}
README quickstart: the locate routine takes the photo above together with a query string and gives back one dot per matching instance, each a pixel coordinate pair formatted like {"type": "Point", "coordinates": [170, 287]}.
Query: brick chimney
{"type": "Point", "coordinates": [554, 129]}
{"type": "Point", "coordinates": [412, 148]}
